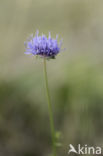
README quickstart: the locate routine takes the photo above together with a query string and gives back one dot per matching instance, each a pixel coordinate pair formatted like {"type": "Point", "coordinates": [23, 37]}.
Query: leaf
{"type": "Point", "coordinates": [58, 135]}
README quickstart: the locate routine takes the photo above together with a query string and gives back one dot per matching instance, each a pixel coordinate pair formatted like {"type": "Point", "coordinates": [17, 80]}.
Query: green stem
{"type": "Point", "coordinates": [50, 109]}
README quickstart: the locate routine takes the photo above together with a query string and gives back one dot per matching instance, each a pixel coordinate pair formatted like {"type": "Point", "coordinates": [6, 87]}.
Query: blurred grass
{"type": "Point", "coordinates": [75, 76]}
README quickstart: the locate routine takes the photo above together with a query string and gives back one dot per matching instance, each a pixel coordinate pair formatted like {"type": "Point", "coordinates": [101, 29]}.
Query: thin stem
{"type": "Point", "coordinates": [50, 109]}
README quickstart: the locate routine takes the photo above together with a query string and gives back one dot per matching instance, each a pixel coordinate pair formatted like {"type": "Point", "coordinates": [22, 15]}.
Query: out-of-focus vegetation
{"type": "Point", "coordinates": [75, 76]}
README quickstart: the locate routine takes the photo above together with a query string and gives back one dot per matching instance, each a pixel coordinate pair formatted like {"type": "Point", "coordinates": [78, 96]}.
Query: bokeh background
{"type": "Point", "coordinates": [75, 76]}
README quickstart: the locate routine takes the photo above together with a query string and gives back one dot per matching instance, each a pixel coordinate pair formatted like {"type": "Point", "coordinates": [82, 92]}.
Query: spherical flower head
{"type": "Point", "coordinates": [43, 46]}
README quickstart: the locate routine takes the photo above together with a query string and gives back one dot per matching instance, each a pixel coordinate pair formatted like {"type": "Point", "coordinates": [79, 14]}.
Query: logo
{"type": "Point", "coordinates": [84, 149]}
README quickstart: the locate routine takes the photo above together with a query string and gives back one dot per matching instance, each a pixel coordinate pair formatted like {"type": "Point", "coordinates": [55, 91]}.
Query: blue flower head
{"type": "Point", "coordinates": [43, 46]}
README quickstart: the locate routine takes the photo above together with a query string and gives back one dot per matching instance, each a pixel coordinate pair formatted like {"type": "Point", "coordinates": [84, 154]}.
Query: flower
{"type": "Point", "coordinates": [43, 46]}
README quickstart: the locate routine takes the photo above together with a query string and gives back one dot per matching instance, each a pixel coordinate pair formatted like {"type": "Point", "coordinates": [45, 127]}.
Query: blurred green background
{"type": "Point", "coordinates": [75, 76]}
